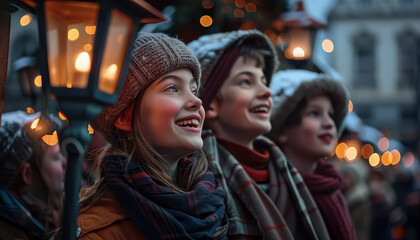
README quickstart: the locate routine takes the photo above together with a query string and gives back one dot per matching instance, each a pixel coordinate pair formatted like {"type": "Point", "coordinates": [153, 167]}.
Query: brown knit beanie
{"type": "Point", "coordinates": [289, 87]}
{"type": "Point", "coordinates": [153, 55]}
{"type": "Point", "coordinates": [209, 50]}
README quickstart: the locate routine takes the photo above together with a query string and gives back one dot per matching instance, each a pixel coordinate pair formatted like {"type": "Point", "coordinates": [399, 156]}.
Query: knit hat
{"type": "Point", "coordinates": [153, 55]}
{"type": "Point", "coordinates": [209, 50]}
{"type": "Point", "coordinates": [16, 141]}
{"type": "Point", "coordinates": [289, 87]}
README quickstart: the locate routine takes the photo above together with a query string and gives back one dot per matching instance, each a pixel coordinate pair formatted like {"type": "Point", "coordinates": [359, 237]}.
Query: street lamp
{"type": "Point", "coordinates": [84, 54]}
{"type": "Point", "coordinates": [299, 29]}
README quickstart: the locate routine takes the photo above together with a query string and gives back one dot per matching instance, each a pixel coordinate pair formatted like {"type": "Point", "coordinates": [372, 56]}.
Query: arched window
{"type": "Point", "coordinates": [408, 59]}
{"type": "Point", "coordinates": [364, 61]}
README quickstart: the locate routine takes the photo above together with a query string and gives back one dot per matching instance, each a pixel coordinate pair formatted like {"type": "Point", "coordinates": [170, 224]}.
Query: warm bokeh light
{"type": "Point", "coordinates": [408, 159]}
{"type": "Point", "coordinates": [227, 9]}
{"type": "Point", "coordinates": [206, 21]}
{"type": "Point", "coordinates": [38, 81]}
{"type": "Point", "coordinates": [386, 158]}
{"type": "Point", "coordinates": [396, 157]}
{"type": "Point", "coordinates": [207, 4]}
{"type": "Point", "coordinates": [238, 13]}
{"type": "Point", "coordinates": [366, 151]}
{"type": "Point", "coordinates": [111, 71]}
{"type": "Point", "coordinates": [240, 3]}
{"type": "Point", "coordinates": [69, 85]}
{"type": "Point", "coordinates": [298, 52]}
{"type": "Point", "coordinates": [251, 7]}
{"type": "Point", "coordinates": [383, 144]}
{"type": "Point", "coordinates": [351, 154]}
{"type": "Point", "coordinates": [73, 34]}
{"type": "Point", "coordinates": [327, 45]}
{"type": "Point", "coordinates": [90, 129]}
{"type": "Point", "coordinates": [340, 150]}
{"type": "Point", "coordinates": [50, 139]}
{"type": "Point", "coordinates": [62, 116]}
{"type": "Point", "coordinates": [35, 123]}
{"type": "Point", "coordinates": [25, 20]}
{"type": "Point", "coordinates": [350, 106]}
{"type": "Point", "coordinates": [90, 30]}
{"type": "Point", "coordinates": [82, 63]}
{"type": "Point", "coordinates": [29, 110]}
{"type": "Point", "coordinates": [270, 34]}
{"type": "Point", "coordinates": [87, 47]}
{"type": "Point", "coordinates": [374, 160]}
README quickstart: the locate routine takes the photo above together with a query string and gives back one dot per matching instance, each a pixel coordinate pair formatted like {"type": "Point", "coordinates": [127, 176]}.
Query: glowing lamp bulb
{"type": "Point", "coordinates": [82, 63]}
{"type": "Point", "coordinates": [298, 52]}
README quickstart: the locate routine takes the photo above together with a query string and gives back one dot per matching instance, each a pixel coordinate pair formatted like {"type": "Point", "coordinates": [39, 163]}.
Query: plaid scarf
{"type": "Point", "coordinates": [158, 211]}
{"type": "Point", "coordinates": [286, 211]}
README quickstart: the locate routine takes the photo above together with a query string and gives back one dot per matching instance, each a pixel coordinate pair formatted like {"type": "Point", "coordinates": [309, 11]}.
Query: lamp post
{"type": "Point", "coordinates": [300, 29]}
{"type": "Point", "coordinates": [84, 54]}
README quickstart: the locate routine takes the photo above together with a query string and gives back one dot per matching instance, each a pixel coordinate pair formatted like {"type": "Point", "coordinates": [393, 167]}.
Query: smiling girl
{"type": "Point", "coordinates": [154, 184]}
{"type": "Point", "coordinates": [309, 109]}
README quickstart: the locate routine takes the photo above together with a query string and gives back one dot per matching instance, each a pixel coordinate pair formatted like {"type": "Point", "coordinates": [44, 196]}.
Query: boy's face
{"type": "Point", "coordinates": [314, 137]}
{"type": "Point", "coordinates": [242, 110]}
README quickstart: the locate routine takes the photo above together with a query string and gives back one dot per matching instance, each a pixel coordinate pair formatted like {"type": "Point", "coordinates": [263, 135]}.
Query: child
{"type": "Point", "coordinates": [31, 178]}
{"type": "Point", "coordinates": [265, 194]}
{"type": "Point", "coordinates": [147, 188]}
{"type": "Point", "coordinates": [309, 109]}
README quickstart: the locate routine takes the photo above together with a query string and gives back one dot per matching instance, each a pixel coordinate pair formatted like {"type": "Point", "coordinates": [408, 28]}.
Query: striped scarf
{"type": "Point", "coordinates": [158, 211]}
{"type": "Point", "coordinates": [286, 211]}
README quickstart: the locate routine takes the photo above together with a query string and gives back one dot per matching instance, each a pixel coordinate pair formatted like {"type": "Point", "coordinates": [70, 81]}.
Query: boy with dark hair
{"type": "Point", "coordinates": [265, 195]}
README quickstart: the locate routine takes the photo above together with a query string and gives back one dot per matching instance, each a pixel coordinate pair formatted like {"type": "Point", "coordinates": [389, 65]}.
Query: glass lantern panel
{"type": "Point", "coordinates": [116, 47]}
{"type": "Point", "coordinates": [71, 29]}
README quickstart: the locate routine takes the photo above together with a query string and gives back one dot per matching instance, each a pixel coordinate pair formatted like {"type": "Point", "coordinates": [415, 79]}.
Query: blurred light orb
{"type": "Point", "coordinates": [383, 144]}
{"type": "Point", "coordinates": [25, 20]}
{"type": "Point", "coordinates": [351, 154]}
{"type": "Point", "coordinates": [206, 21]}
{"type": "Point", "coordinates": [374, 160]}
{"type": "Point", "coordinates": [327, 45]}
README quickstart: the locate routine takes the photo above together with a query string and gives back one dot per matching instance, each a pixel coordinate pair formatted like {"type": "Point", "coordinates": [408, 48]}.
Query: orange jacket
{"type": "Point", "coordinates": [107, 219]}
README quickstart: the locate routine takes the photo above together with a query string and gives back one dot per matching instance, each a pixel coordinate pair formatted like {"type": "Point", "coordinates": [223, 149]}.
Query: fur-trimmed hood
{"type": "Point", "coordinates": [289, 87]}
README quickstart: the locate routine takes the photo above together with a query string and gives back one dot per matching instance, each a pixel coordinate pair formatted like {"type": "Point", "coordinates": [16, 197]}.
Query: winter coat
{"type": "Point", "coordinates": [107, 219]}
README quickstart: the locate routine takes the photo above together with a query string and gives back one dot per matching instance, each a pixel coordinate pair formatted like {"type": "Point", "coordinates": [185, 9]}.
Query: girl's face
{"type": "Point", "coordinates": [171, 114]}
{"type": "Point", "coordinates": [53, 168]}
{"type": "Point", "coordinates": [314, 137]}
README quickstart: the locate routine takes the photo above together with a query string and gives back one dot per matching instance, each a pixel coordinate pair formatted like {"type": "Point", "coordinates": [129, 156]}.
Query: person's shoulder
{"type": "Point", "coordinates": [8, 231]}
{"type": "Point", "coordinates": [107, 219]}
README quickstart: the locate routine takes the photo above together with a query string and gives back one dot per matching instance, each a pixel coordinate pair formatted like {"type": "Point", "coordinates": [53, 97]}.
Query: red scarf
{"type": "Point", "coordinates": [254, 162]}
{"type": "Point", "coordinates": [324, 185]}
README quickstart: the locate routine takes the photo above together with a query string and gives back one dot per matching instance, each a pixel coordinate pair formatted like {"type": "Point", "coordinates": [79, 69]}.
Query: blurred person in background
{"type": "Point", "coordinates": [32, 175]}
{"type": "Point", "coordinates": [309, 109]}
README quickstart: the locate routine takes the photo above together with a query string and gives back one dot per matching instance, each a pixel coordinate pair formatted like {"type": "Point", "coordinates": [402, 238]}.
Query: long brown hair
{"type": "Point", "coordinates": [135, 146]}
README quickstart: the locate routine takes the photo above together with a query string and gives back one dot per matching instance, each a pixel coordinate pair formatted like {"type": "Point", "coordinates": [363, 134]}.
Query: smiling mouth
{"type": "Point", "coordinates": [260, 109]}
{"type": "Point", "coordinates": [188, 123]}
